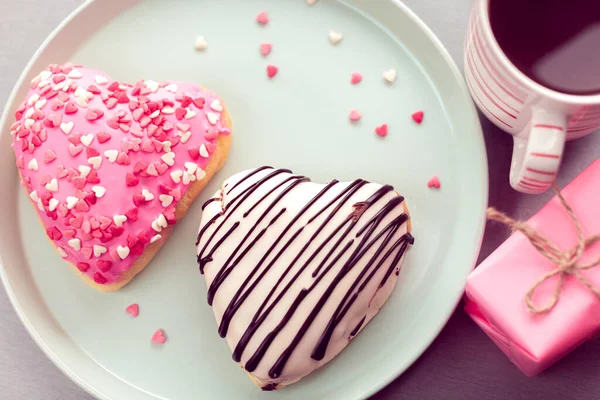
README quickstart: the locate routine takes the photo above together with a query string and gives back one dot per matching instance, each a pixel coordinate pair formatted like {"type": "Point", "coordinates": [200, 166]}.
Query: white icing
{"type": "Point", "coordinates": [367, 303]}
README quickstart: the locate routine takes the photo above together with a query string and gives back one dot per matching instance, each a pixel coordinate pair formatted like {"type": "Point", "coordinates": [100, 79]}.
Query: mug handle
{"type": "Point", "coordinates": [537, 152]}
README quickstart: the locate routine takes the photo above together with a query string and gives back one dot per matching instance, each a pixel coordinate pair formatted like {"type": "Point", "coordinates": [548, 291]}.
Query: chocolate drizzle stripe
{"type": "Point", "coordinates": [372, 233]}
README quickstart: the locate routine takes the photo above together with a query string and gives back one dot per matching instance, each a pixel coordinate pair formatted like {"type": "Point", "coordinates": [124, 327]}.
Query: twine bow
{"type": "Point", "coordinates": [566, 262]}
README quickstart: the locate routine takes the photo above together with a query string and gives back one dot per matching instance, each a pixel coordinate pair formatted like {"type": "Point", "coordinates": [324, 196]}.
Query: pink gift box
{"type": "Point", "coordinates": [495, 293]}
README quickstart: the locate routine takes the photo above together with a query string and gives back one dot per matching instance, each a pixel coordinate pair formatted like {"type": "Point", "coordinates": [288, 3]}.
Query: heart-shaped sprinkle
{"type": "Point", "coordinates": [165, 200]}
{"type": "Point", "coordinates": [354, 116]}
{"type": "Point", "coordinates": [390, 76]}
{"type": "Point", "coordinates": [119, 219]}
{"type": "Point", "coordinates": [123, 252]}
{"type": "Point", "coordinates": [168, 158]}
{"type": "Point", "coordinates": [95, 161]}
{"type": "Point", "coordinates": [111, 155]}
{"type": "Point", "coordinates": [133, 310]}
{"type": "Point", "coordinates": [434, 183]}
{"type": "Point", "coordinates": [155, 238]}
{"type": "Point", "coordinates": [171, 88]}
{"type": "Point", "coordinates": [216, 105]}
{"type": "Point", "coordinates": [382, 130]}
{"type": "Point", "coordinates": [99, 191]}
{"type": "Point", "coordinates": [272, 71]}
{"type": "Point", "coordinates": [335, 37]}
{"type": "Point", "coordinates": [52, 204]}
{"type": "Point", "coordinates": [33, 164]}
{"type": "Point", "coordinates": [262, 18]}
{"type": "Point", "coordinates": [84, 170]}
{"type": "Point", "coordinates": [265, 49]}
{"type": "Point", "coordinates": [176, 176]}
{"type": "Point", "coordinates": [52, 186]}
{"type": "Point", "coordinates": [418, 116]}
{"type": "Point", "coordinates": [49, 156]}
{"type": "Point", "coordinates": [147, 195]}
{"type": "Point", "coordinates": [86, 140]}
{"type": "Point", "coordinates": [212, 118]}
{"type": "Point", "coordinates": [159, 337]}
{"type": "Point", "coordinates": [356, 78]}
{"type": "Point", "coordinates": [75, 244]}
{"type": "Point", "coordinates": [75, 149]}
{"type": "Point", "coordinates": [99, 250]}
{"type": "Point", "coordinates": [200, 43]}
{"type": "Point", "coordinates": [66, 127]}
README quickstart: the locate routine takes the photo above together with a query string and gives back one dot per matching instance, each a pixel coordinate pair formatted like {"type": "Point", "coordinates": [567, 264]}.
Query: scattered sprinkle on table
{"type": "Point", "coordinates": [356, 78]}
{"type": "Point", "coordinates": [335, 37]}
{"type": "Point", "coordinates": [418, 117]}
{"type": "Point", "coordinates": [382, 130]}
{"type": "Point", "coordinates": [133, 310]}
{"type": "Point", "coordinates": [159, 337]}
{"type": "Point", "coordinates": [262, 18]}
{"type": "Point", "coordinates": [201, 43]}
{"type": "Point", "coordinates": [354, 116]}
{"type": "Point", "coordinates": [390, 75]}
{"type": "Point", "coordinates": [311, 2]}
{"type": "Point", "coordinates": [434, 183]}
{"type": "Point", "coordinates": [272, 71]}
{"type": "Point", "coordinates": [265, 48]}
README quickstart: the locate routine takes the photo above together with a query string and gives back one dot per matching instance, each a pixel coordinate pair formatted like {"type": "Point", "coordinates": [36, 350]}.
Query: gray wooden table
{"type": "Point", "coordinates": [461, 364]}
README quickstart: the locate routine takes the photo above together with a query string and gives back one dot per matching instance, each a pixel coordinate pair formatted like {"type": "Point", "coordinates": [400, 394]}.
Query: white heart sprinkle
{"type": "Point", "coordinates": [123, 252]}
{"type": "Point", "coordinates": [212, 118]}
{"type": "Point", "coordinates": [99, 250]}
{"type": "Point", "coordinates": [155, 226]}
{"type": "Point", "coordinates": [216, 105]}
{"type": "Point", "coordinates": [61, 252]}
{"type": "Point", "coordinates": [168, 158]}
{"type": "Point", "coordinates": [40, 205]}
{"type": "Point", "coordinates": [52, 186]}
{"type": "Point", "coordinates": [84, 170]}
{"type": "Point", "coordinates": [52, 204]}
{"type": "Point", "coordinates": [123, 87]}
{"type": "Point", "coordinates": [189, 114]}
{"type": "Point", "coordinates": [75, 243]}
{"type": "Point", "coordinates": [81, 92]}
{"type": "Point", "coordinates": [95, 161]}
{"type": "Point", "coordinates": [34, 196]}
{"type": "Point", "coordinates": [176, 176]}
{"type": "Point", "coordinates": [171, 88]}
{"type": "Point", "coordinates": [74, 74]}
{"type": "Point", "coordinates": [200, 43]}
{"type": "Point", "coordinates": [204, 151]}
{"type": "Point", "coordinates": [111, 155]}
{"type": "Point", "coordinates": [185, 136]}
{"type": "Point", "coordinates": [119, 219]}
{"type": "Point", "coordinates": [44, 83]}
{"type": "Point", "coordinates": [45, 74]}
{"type": "Point", "coordinates": [335, 37]}
{"type": "Point", "coordinates": [66, 85]}
{"type": "Point", "coordinates": [390, 75]}
{"type": "Point", "coordinates": [34, 97]}
{"type": "Point", "coordinates": [155, 114]}
{"type": "Point", "coordinates": [187, 178]}
{"type": "Point", "coordinates": [155, 238]}
{"type": "Point", "coordinates": [66, 127]}
{"type": "Point", "coordinates": [200, 174]}
{"type": "Point", "coordinates": [147, 194]}
{"type": "Point", "coordinates": [166, 200]}
{"type": "Point", "coordinates": [168, 110]}
{"type": "Point", "coordinates": [29, 122]}
{"type": "Point", "coordinates": [99, 191]}
{"type": "Point", "coordinates": [191, 167]}
{"type": "Point", "coordinates": [40, 104]}
{"type": "Point", "coordinates": [33, 165]}
{"type": "Point", "coordinates": [152, 85]}
{"type": "Point", "coordinates": [86, 140]}
{"type": "Point", "coordinates": [101, 80]}
{"type": "Point", "coordinates": [162, 221]}
{"type": "Point", "coordinates": [81, 102]}
{"type": "Point", "coordinates": [167, 146]}
{"type": "Point", "coordinates": [71, 202]}
{"type": "Point", "coordinates": [29, 112]}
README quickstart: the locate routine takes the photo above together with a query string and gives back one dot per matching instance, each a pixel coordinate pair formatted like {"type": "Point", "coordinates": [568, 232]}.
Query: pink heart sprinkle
{"type": "Point", "coordinates": [262, 18]}
{"type": "Point", "coordinates": [265, 49]}
{"type": "Point", "coordinates": [434, 182]}
{"type": "Point", "coordinates": [418, 116]}
{"type": "Point", "coordinates": [354, 116]}
{"type": "Point", "coordinates": [159, 337]}
{"type": "Point", "coordinates": [134, 311]}
{"type": "Point", "coordinates": [49, 156]}
{"type": "Point", "coordinates": [382, 130]}
{"type": "Point", "coordinates": [272, 71]}
{"type": "Point", "coordinates": [75, 149]}
{"type": "Point", "coordinates": [356, 78]}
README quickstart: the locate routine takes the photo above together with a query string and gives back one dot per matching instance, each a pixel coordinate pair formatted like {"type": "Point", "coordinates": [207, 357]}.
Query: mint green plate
{"type": "Point", "coordinates": [298, 120]}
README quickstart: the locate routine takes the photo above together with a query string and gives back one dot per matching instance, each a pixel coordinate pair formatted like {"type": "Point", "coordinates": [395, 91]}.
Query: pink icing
{"type": "Point", "coordinates": [96, 153]}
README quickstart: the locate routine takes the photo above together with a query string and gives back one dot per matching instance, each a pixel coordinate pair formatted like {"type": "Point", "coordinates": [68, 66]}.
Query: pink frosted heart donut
{"type": "Point", "coordinates": [111, 166]}
{"type": "Point", "coordinates": [296, 269]}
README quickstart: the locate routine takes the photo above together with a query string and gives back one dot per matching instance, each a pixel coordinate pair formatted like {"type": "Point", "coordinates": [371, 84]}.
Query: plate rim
{"type": "Point", "coordinates": [393, 373]}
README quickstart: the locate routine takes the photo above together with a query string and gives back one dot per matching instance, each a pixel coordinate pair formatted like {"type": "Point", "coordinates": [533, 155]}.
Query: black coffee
{"type": "Point", "coordinates": [554, 42]}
